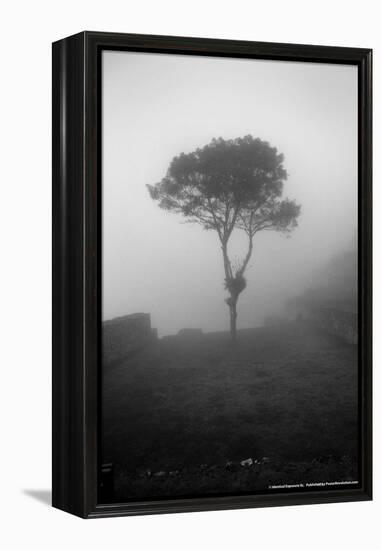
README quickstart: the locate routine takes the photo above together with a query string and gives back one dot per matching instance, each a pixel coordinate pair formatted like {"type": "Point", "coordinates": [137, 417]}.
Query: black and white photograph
{"type": "Point", "coordinates": [229, 309]}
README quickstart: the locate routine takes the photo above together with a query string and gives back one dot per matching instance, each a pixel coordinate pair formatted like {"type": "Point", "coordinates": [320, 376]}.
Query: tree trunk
{"type": "Point", "coordinates": [233, 321]}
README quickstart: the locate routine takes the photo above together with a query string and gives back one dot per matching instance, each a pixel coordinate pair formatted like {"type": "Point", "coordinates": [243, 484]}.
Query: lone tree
{"type": "Point", "coordinates": [227, 185]}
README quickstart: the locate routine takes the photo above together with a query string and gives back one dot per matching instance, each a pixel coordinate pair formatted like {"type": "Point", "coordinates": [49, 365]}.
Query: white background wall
{"type": "Point", "coordinates": [27, 29]}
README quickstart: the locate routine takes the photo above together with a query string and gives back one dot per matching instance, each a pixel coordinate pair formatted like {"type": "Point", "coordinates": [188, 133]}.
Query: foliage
{"type": "Point", "coordinates": [227, 184]}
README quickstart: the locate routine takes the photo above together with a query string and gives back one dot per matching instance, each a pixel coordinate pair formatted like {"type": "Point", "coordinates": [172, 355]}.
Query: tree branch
{"type": "Point", "coordinates": [241, 270]}
{"type": "Point", "coordinates": [227, 264]}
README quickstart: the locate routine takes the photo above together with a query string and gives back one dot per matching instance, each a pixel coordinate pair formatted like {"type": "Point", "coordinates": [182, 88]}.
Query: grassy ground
{"type": "Point", "coordinates": [286, 393]}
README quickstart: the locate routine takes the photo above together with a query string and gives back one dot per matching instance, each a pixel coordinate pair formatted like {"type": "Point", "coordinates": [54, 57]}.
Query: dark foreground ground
{"type": "Point", "coordinates": [181, 415]}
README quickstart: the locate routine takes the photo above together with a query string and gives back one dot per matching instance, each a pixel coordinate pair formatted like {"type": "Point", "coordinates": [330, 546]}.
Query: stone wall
{"type": "Point", "coordinates": [125, 335]}
{"type": "Point", "coordinates": [334, 316]}
{"type": "Point", "coordinates": [342, 324]}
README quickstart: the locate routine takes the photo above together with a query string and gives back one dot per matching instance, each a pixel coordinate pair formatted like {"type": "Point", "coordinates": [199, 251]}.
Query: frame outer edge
{"type": "Point", "coordinates": [68, 420]}
{"type": "Point", "coordinates": [366, 174]}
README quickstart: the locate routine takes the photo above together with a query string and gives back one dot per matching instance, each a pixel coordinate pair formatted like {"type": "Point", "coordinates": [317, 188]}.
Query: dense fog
{"type": "Point", "coordinates": [156, 106]}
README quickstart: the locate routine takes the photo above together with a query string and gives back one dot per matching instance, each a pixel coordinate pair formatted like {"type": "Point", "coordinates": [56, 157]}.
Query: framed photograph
{"type": "Point", "coordinates": [211, 274]}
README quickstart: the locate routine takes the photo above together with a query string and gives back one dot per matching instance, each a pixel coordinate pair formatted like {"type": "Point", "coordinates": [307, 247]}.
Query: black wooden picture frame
{"type": "Point", "coordinates": [77, 266]}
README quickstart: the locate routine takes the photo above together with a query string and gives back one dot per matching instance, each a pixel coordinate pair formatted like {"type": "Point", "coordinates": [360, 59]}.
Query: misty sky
{"type": "Point", "coordinates": [156, 106]}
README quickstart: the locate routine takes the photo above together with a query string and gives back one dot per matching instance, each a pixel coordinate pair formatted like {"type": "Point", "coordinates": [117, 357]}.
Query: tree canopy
{"type": "Point", "coordinates": [227, 184]}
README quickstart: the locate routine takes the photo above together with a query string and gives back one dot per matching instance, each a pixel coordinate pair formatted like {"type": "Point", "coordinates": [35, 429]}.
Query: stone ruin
{"type": "Point", "coordinates": [123, 336]}
{"type": "Point", "coordinates": [336, 317]}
